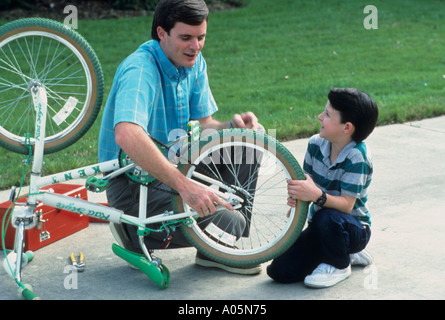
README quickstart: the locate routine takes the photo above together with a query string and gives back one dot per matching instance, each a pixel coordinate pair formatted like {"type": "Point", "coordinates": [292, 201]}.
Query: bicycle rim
{"type": "Point", "coordinates": [45, 52]}
{"type": "Point", "coordinates": [271, 227]}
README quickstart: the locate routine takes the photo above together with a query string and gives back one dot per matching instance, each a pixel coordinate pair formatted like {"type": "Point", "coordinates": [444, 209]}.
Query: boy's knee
{"type": "Point", "coordinates": [325, 217]}
{"type": "Point", "coordinates": [321, 219]}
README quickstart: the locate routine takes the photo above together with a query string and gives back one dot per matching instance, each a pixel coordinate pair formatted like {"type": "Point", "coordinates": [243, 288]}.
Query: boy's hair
{"type": "Point", "coordinates": [357, 107]}
{"type": "Point", "coordinates": [168, 12]}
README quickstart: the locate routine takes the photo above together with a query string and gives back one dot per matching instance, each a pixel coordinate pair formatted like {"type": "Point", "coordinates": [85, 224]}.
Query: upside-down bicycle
{"type": "Point", "coordinates": [51, 88]}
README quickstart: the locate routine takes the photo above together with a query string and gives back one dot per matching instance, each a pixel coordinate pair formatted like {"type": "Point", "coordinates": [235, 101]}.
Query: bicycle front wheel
{"type": "Point", "coordinates": [45, 52]}
{"type": "Point", "coordinates": [255, 167]}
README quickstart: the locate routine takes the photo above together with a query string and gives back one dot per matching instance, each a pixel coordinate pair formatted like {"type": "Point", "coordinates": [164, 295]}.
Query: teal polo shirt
{"type": "Point", "coordinates": [351, 173]}
{"type": "Point", "coordinates": [150, 91]}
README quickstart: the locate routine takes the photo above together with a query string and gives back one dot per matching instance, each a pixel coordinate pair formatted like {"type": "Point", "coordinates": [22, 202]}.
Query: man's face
{"type": "Point", "coordinates": [183, 44]}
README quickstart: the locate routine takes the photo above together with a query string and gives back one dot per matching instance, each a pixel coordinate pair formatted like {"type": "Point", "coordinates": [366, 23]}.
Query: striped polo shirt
{"type": "Point", "coordinates": [150, 91]}
{"type": "Point", "coordinates": [350, 174]}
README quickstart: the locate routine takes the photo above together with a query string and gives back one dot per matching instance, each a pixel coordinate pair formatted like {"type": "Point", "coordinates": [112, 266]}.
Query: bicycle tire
{"type": "Point", "coordinates": [271, 232]}
{"type": "Point", "coordinates": [39, 50]}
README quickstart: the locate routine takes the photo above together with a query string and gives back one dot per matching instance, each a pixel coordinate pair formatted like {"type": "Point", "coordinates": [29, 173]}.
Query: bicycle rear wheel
{"type": "Point", "coordinates": [270, 228]}
{"type": "Point", "coordinates": [45, 52]}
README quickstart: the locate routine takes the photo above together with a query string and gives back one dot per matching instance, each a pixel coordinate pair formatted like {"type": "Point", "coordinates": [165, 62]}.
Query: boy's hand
{"type": "Point", "coordinates": [304, 190]}
{"type": "Point", "coordinates": [307, 190]}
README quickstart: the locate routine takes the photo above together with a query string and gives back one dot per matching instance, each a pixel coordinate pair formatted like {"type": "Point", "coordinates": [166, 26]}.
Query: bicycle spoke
{"type": "Point", "coordinates": [251, 169]}
{"type": "Point", "coordinates": [45, 53]}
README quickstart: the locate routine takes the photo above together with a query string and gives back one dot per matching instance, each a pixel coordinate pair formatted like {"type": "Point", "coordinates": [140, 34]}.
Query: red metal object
{"type": "Point", "coordinates": [56, 223]}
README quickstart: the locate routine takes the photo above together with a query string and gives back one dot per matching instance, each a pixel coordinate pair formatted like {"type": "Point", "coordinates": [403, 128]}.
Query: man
{"type": "Point", "coordinates": [159, 88]}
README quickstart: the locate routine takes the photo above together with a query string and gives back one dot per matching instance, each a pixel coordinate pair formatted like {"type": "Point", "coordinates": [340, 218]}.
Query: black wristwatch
{"type": "Point", "coordinates": [322, 200]}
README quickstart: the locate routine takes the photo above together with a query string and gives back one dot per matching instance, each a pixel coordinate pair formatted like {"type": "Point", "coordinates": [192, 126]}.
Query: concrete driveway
{"type": "Point", "coordinates": [407, 199]}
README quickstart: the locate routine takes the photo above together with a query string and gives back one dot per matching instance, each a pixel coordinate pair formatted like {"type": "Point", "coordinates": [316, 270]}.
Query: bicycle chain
{"type": "Point", "coordinates": [172, 192]}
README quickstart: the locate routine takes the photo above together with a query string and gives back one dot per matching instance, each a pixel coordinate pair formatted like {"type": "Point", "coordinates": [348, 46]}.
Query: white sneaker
{"type": "Point", "coordinates": [362, 258]}
{"type": "Point", "coordinates": [326, 275]}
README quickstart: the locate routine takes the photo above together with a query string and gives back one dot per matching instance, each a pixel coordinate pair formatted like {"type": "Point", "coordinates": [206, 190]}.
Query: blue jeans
{"type": "Point", "coordinates": [329, 238]}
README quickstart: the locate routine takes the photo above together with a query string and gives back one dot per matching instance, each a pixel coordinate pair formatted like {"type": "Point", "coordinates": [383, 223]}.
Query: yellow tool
{"type": "Point", "coordinates": [80, 266]}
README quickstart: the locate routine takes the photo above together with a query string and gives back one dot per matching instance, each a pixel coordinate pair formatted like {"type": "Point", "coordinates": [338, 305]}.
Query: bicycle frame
{"type": "Point", "coordinates": [24, 216]}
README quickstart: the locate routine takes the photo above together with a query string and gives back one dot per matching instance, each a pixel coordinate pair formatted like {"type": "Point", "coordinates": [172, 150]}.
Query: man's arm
{"type": "Point", "coordinates": [142, 150]}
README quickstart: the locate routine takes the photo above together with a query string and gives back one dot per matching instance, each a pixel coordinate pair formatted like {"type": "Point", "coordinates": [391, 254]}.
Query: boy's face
{"type": "Point", "coordinates": [331, 127]}
{"type": "Point", "coordinates": [183, 44]}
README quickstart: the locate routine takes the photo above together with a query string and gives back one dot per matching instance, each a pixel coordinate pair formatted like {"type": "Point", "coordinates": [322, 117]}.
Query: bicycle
{"type": "Point", "coordinates": [52, 79]}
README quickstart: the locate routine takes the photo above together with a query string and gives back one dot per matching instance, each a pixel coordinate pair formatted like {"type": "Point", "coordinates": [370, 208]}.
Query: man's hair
{"type": "Point", "coordinates": [357, 107]}
{"type": "Point", "coordinates": [168, 12]}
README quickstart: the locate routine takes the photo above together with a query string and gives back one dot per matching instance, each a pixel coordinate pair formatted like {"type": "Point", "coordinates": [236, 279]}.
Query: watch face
{"type": "Point", "coordinates": [322, 200]}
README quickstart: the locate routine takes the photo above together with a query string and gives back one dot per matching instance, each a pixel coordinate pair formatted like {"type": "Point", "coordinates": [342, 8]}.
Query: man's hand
{"type": "Point", "coordinates": [246, 120]}
{"type": "Point", "coordinates": [202, 200]}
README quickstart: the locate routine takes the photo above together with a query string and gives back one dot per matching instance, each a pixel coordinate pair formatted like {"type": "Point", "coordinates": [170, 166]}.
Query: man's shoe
{"type": "Point", "coordinates": [326, 275]}
{"type": "Point", "coordinates": [362, 258]}
{"type": "Point", "coordinates": [203, 261]}
{"type": "Point", "coordinates": [122, 237]}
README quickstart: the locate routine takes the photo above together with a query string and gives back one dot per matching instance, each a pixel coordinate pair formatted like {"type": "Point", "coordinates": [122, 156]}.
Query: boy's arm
{"type": "Point", "coordinates": [306, 190]}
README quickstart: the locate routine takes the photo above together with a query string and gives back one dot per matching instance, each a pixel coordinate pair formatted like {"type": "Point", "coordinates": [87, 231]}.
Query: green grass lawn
{"type": "Point", "coordinates": [279, 59]}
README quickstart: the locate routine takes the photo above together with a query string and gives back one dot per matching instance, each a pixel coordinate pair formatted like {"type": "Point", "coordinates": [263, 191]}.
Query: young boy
{"type": "Point", "coordinates": [338, 171]}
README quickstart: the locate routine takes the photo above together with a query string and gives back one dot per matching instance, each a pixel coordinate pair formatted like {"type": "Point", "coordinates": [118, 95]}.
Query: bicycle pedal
{"type": "Point", "coordinates": [97, 185]}
{"type": "Point", "coordinates": [155, 270]}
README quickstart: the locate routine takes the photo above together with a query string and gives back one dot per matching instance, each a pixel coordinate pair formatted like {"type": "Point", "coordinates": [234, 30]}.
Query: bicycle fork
{"type": "Point", "coordinates": [23, 215]}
